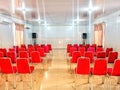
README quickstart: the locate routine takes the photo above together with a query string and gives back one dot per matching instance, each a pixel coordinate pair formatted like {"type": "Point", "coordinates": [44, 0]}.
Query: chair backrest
{"type": "Point", "coordinates": [4, 51]}
{"type": "Point", "coordinates": [90, 55]}
{"type": "Point", "coordinates": [23, 66]}
{"type": "Point", "coordinates": [35, 57]}
{"type": "Point", "coordinates": [46, 49]}
{"type": "Point", "coordinates": [12, 55]}
{"type": "Point", "coordinates": [82, 50]}
{"type": "Point", "coordinates": [75, 56]}
{"type": "Point", "coordinates": [92, 49]}
{"type": "Point", "coordinates": [1, 54]}
{"type": "Point", "coordinates": [72, 49]}
{"type": "Point", "coordinates": [68, 47]}
{"type": "Point", "coordinates": [101, 54]}
{"type": "Point", "coordinates": [94, 45]}
{"type": "Point", "coordinates": [6, 66]}
{"type": "Point", "coordinates": [83, 66]}
{"type": "Point", "coordinates": [116, 68]}
{"type": "Point", "coordinates": [42, 45]}
{"type": "Point", "coordinates": [108, 50]}
{"type": "Point", "coordinates": [30, 50]}
{"type": "Point", "coordinates": [99, 49]}
{"type": "Point", "coordinates": [23, 46]}
{"type": "Point", "coordinates": [21, 49]}
{"type": "Point", "coordinates": [30, 45]}
{"type": "Point", "coordinates": [23, 54]}
{"type": "Point", "coordinates": [12, 49]}
{"type": "Point", "coordinates": [100, 67]}
{"type": "Point", "coordinates": [16, 48]}
{"type": "Point", "coordinates": [50, 46]}
{"type": "Point", "coordinates": [112, 56]}
{"type": "Point", "coordinates": [41, 51]}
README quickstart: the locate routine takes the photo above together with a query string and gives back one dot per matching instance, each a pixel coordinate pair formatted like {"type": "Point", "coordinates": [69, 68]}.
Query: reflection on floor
{"type": "Point", "coordinates": [55, 76]}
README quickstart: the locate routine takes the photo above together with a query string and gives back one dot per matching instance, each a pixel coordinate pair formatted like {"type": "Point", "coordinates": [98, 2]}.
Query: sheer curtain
{"type": "Point", "coordinates": [98, 34]}
{"type": "Point", "coordinates": [19, 34]}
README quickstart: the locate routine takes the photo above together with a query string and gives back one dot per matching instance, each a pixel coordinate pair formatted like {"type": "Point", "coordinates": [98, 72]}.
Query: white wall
{"type": "Point", "coordinates": [112, 30]}
{"type": "Point", "coordinates": [28, 36]}
{"type": "Point", "coordinates": [6, 35]}
{"type": "Point", "coordinates": [59, 36]}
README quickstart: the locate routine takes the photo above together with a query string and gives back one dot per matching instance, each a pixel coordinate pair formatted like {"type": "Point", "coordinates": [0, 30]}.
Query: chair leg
{"type": "Point", "coordinates": [75, 76]}
{"type": "Point", "coordinates": [91, 84]}
{"type": "Point", "coordinates": [31, 80]}
{"type": "Point", "coordinates": [14, 82]}
{"type": "Point", "coordinates": [6, 85]}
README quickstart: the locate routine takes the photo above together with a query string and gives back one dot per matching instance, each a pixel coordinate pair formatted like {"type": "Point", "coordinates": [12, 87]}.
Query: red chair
{"type": "Point", "coordinates": [23, 54]}
{"type": "Point", "coordinates": [42, 45]}
{"type": "Point", "coordinates": [35, 57]}
{"type": "Point", "coordinates": [82, 69]}
{"type": "Point", "coordinates": [112, 56]}
{"type": "Point", "coordinates": [12, 55]}
{"type": "Point", "coordinates": [99, 69]}
{"type": "Point", "coordinates": [12, 49]}
{"type": "Point", "coordinates": [21, 49]}
{"type": "Point", "coordinates": [92, 49]}
{"type": "Point", "coordinates": [94, 45]}
{"type": "Point", "coordinates": [30, 50]}
{"type": "Point", "coordinates": [81, 45]}
{"type": "Point", "coordinates": [72, 49]}
{"type": "Point", "coordinates": [99, 49]}
{"type": "Point", "coordinates": [114, 72]}
{"type": "Point", "coordinates": [83, 66]}
{"type": "Point", "coordinates": [90, 55]}
{"type": "Point", "coordinates": [108, 50]}
{"type": "Point", "coordinates": [7, 68]}
{"type": "Point", "coordinates": [82, 50]}
{"type": "Point", "coordinates": [23, 46]}
{"type": "Point", "coordinates": [75, 56]}
{"type": "Point", "coordinates": [46, 49]}
{"type": "Point", "coordinates": [1, 54]}
{"type": "Point", "coordinates": [16, 48]}
{"type": "Point", "coordinates": [24, 68]}
{"type": "Point", "coordinates": [4, 51]}
{"type": "Point", "coordinates": [76, 45]}
{"type": "Point", "coordinates": [68, 47]}
{"type": "Point", "coordinates": [101, 54]}
{"type": "Point", "coordinates": [41, 51]}
{"type": "Point", "coordinates": [30, 45]}
{"type": "Point", "coordinates": [50, 47]}
{"type": "Point", "coordinates": [36, 46]}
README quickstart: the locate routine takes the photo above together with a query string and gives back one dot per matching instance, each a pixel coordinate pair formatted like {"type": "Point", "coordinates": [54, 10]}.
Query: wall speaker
{"type": "Point", "coordinates": [84, 36]}
{"type": "Point", "coordinates": [34, 35]}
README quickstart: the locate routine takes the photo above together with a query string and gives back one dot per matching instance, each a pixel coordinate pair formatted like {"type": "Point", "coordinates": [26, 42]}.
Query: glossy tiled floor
{"type": "Point", "coordinates": [55, 76]}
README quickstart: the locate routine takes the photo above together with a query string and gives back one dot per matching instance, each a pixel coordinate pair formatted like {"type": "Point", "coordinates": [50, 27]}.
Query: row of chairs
{"type": "Point", "coordinates": [92, 49]}
{"type": "Point", "coordinates": [24, 54]}
{"type": "Point", "coordinates": [111, 58]}
{"type": "Point", "coordinates": [100, 69]}
{"type": "Point", "coordinates": [86, 46]}
{"type": "Point", "coordinates": [21, 64]}
{"type": "Point", "coordinates": [22, 67]}
{"type": "Point", "coordinates": [47, 48]}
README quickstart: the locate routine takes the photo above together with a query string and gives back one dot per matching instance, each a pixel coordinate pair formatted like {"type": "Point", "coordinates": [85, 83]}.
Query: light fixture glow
{"type": "Point", "coordinates": [24, 9]}
{"type": "Point", "coordinates": [90, 7]}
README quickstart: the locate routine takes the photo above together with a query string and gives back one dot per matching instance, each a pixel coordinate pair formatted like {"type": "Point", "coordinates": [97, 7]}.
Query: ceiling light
{"type": "Point", "coordinates": [24, 9]}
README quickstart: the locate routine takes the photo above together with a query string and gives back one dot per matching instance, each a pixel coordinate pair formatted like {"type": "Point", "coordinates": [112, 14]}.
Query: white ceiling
{"type": "Point", "coordinates": [60, 12]}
